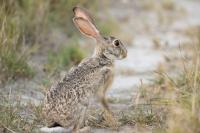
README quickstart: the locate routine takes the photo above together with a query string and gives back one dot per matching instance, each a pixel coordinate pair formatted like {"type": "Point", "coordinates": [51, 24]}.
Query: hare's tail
{"type": "Point", "coordinates": [55, 128]}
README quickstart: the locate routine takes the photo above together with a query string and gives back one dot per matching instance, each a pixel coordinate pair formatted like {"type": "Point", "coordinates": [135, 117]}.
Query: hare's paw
{"type": "Point", "coordinates": [85, 130]}
{"type": "Point", "coordinates": [110, 120]}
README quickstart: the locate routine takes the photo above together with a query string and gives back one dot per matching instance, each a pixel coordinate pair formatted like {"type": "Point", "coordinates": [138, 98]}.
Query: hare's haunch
{"type": "Point", "coordinates": [66, 101]}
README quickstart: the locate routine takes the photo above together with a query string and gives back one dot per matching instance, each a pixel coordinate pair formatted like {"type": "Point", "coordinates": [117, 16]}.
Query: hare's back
{"type": "Point", "coordinates": [78, 80]}
{"type": "Point", "coordinates": [75, 87]}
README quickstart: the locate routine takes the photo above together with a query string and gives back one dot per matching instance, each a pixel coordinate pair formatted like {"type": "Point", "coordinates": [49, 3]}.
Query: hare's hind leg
{"type": "Point", "coordinates": [80, 121]}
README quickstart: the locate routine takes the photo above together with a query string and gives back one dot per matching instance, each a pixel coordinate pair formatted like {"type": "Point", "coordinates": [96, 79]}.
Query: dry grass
{"type": "Point", "coordinates": [18, 117]}
{"type": "Point", "coordinates": [178, 98]}
{"type": "Point", "coordinates": [186, 107]}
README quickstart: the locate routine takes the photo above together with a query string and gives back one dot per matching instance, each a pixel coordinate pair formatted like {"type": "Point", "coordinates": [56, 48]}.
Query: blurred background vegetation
{"type": "Point", "coordinates": [26, 27]}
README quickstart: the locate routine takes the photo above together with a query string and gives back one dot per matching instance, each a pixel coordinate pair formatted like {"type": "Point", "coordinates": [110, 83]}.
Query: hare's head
{"type": "Point", "coordinates": [110, 47]}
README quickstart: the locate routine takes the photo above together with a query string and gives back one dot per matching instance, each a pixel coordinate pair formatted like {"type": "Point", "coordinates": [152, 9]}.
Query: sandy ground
{"type": "Point", "coordinates": [152, 35]}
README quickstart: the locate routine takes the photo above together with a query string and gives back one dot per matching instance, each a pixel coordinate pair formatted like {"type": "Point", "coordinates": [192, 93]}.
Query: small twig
{"type": "Point", "coordinates": [8, 129]}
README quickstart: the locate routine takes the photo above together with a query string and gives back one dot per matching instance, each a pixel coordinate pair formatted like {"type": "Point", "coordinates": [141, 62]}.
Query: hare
{"type": "Point", "coordinates": [66, 102]}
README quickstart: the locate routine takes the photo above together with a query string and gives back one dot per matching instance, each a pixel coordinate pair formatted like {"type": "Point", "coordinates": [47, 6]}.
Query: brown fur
{"type": "Point", "coordinates": [66, 101]}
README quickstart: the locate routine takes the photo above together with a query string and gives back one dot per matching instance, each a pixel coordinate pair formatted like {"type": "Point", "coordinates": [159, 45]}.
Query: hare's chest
{"type": "Point", "coordinates": [107, 76]}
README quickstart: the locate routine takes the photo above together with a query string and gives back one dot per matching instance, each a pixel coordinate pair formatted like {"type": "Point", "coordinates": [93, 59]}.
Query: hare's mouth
{"type": "Point", "coordinates": [123, 54]}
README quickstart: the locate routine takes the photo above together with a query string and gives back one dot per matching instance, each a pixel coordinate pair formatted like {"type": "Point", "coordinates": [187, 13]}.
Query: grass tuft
{"type": "Point", "coordinates": [17, 117]}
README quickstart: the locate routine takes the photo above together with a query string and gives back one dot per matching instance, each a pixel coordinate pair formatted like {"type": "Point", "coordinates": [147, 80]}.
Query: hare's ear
{"type": "Point", "coordinates": [82, 13]}
{"type": "Point", "coordinates": [86, 27]}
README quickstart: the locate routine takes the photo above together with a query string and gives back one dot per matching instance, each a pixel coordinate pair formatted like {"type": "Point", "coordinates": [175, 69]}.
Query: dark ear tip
{"type": "Point", "coordinates": [74, 8]}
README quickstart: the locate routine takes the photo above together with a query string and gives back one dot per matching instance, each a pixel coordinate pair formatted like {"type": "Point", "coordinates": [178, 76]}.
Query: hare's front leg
{"type": "Point", "coordinates": [107, 79]}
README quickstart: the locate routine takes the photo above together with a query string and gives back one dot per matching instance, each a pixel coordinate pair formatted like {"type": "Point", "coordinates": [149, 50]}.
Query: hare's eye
{"type": "Point", "coordinates": [116, 43]}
